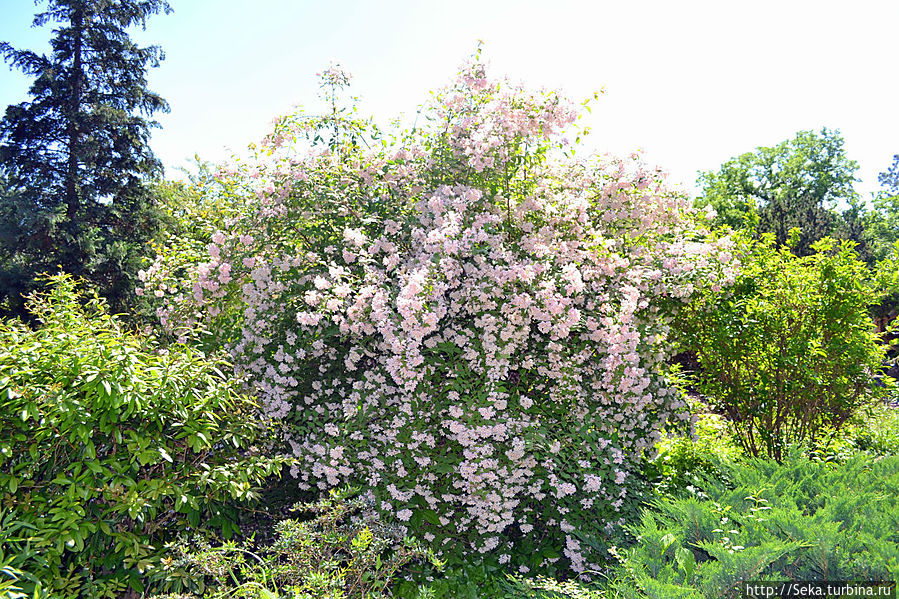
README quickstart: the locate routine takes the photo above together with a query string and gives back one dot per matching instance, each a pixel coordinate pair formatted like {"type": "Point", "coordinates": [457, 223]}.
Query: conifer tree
{"type": "Point", "coordinates": [74, 159]}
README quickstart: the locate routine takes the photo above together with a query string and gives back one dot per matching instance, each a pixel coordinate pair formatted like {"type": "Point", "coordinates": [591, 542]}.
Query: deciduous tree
{"type": "Point", "coordinates": [796, 183]}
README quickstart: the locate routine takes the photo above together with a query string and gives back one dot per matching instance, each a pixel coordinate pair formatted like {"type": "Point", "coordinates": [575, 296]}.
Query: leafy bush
{"type": "Point", "coordinates": [466, 319]}
{"type": "Point", "coordinates": [800, 520]}
{"type": "Point", "coordinates": [112, 442]}
{"type": "Point", "coordinates": [344, 552]}
{"type": "Point", "coordinates": [684, 463]}
{"type": "Point", "coordinates": [790, 350]}
{"type": "Point", "coordinates": [16, 552]}
{"type": "Point", "coordinates": [877, 431]}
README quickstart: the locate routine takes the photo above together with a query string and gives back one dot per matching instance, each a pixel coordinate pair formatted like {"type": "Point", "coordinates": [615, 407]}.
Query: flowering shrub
{"type": "Point", "coordinates": [464, 319]}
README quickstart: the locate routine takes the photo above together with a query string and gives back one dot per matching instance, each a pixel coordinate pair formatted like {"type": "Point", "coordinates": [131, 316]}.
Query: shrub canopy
{"type": "Point", "coordinates": [112, 444]}
{"type": "Point", "coordinates": [464, 318]}
{"type": "Point", "coordinates": [790, 351]}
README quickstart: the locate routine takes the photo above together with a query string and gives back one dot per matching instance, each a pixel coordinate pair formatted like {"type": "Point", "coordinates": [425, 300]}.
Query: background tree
{"type": "Point", "coordinates": [874, 225]}
{"type": "Point", "coordinates": [880, 232]}
{"type": "Point", "coordinates": [890, 177]}
{"type": "Point", "coordinates": [854, 225]}
{"type": "Point", "coordinates": [796, 183]}
{"type": "Point", "coordinates": [75, 158]}
{"type": "Point", "coordinates": [882, 222]}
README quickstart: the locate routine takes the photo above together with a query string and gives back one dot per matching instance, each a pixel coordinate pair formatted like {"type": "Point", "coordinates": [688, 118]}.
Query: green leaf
{"type": "Point", "coordinates": [686, 561]}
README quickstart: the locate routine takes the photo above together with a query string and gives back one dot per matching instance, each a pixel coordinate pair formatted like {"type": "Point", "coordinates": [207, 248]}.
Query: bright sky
{"type": "Point", "coordinates": [692, 83]}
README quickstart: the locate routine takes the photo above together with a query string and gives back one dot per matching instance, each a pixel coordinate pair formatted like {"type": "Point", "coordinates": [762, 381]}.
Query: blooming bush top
{"type": "Point", "coordinates": [465, 319]}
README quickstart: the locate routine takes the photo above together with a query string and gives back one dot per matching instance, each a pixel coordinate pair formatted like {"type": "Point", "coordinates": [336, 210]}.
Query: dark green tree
{"type": "Point", "coordinates": [75, 159]}
{"type": "Point", "coordinates": [890, 177]}
{"type": "Point", "coordinates": [854, 224]}
{"type": "Point", "coordinates": [797, 183]}
{"type": "Point", "coordinates": [876, 227]}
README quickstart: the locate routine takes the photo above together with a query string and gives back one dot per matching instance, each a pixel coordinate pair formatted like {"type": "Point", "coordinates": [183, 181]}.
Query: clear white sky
{"type": "Point", "coordinates": [692, 83]}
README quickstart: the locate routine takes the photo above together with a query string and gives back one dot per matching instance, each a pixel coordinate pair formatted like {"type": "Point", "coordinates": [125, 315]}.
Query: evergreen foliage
{"type": "Point", "coordinates": [800, 520]}
{"type": "Point", "coordinates": [75, 158]}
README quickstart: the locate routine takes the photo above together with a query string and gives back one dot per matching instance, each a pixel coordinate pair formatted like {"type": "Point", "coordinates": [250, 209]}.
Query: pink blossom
{"type": "Point", "coordinates": [454, 352]}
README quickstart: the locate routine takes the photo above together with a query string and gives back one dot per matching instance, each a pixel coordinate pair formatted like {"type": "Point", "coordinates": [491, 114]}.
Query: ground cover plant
{"type": "Point", "coordinates": [112, 445]}
{"type": "Point", "coordinates": [800, 520]}
{"type": "Point", "coordinates": [345, 551]}
{"type": "Point", "coordinates": [465, 319]}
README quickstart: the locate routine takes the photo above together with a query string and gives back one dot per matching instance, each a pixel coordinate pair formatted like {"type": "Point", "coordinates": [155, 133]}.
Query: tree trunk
{"type": "Point", "coordinates": [71, 197]}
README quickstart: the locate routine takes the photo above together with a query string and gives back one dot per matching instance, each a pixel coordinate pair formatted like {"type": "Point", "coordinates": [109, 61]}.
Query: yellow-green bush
{"type": "Point", "coordinates": [111, 443]}
{"type": "Point", "coordinates": [790, 350]}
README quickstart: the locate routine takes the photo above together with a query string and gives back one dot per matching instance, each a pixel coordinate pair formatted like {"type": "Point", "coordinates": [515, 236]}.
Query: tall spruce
{"type": "Point", "coordinates": [74, 160]}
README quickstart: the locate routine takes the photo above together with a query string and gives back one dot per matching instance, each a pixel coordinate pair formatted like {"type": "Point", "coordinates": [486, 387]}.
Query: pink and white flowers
{"type": "Point", "coordinates": [471, 325]}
